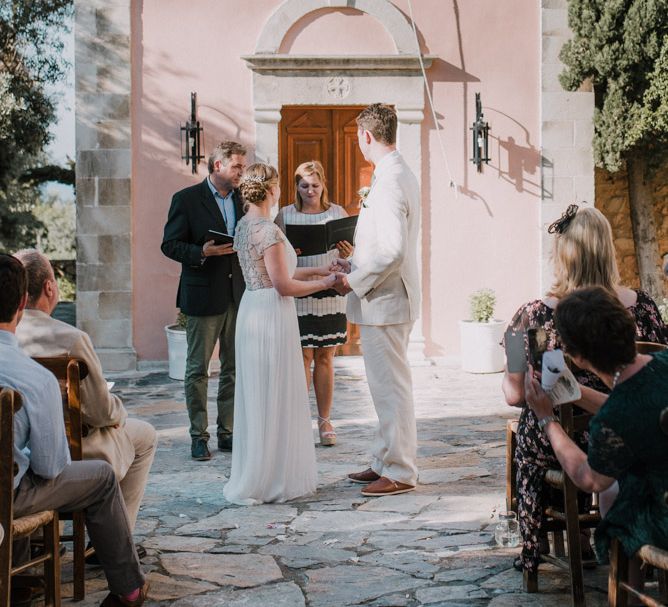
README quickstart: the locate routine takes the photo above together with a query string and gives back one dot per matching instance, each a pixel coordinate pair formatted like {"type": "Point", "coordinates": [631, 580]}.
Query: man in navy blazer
{"type": "Point", "coordinates": [210, 287]}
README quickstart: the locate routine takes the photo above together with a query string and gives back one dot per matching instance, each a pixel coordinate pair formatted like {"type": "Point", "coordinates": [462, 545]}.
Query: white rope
{"type": "Point", "coordinates": [453, 183]}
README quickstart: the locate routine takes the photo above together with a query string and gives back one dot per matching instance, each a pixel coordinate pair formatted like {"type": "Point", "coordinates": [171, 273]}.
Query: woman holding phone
{"type": "Point", "coordinates": [583, 256]}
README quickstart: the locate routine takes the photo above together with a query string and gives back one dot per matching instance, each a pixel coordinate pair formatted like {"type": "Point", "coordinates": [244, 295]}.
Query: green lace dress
{"type": "Point", "coordinates": [626, 443]}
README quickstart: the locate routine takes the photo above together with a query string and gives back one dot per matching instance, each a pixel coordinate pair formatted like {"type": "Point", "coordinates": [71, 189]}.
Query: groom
{"type": "Point", "coordinates": [384, 300]}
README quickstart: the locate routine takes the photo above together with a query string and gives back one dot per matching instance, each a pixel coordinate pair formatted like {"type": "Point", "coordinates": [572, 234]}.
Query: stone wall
{"type": "Point", "coordinates": [103, 125]}
{"type": "Point", "coordinates": [612, 198]}
{"type": "Point", "coordinates": [566, 133]}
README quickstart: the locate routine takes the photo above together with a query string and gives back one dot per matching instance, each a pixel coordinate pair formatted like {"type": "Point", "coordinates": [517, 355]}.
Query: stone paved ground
{"type": "Point", "coordinates": [434, 546]}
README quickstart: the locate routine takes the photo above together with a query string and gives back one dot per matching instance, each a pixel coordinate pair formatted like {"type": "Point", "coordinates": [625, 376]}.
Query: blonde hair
{"type": "Point", "coordinates": [306, 169]}
{"type": "Point", "coordinates": [257, 181]}
{"type": "Point", "coordinates": [584, 255]}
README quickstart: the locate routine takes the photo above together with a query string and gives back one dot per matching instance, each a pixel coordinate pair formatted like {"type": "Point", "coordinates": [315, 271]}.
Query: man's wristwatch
{"type": "Point", "coordinates": [546, 420]}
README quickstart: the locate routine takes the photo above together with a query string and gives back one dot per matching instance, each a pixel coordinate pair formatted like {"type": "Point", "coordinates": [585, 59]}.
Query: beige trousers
{"type": "Point", "coordinates": [394, 450]}
{"type": "Point", "coordinates": [133, 484]}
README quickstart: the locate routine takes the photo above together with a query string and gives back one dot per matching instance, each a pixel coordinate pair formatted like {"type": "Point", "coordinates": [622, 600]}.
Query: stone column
{"type": "Point", "coordinates": [566, 133]}
{"type": "Point", "coordinates": [103, 178]}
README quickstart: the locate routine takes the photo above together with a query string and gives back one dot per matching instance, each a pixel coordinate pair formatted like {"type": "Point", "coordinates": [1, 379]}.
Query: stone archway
{"type": "Point", "coordinates": [291, 11]}
{"type": "Point", "coordinates": [282, 79]}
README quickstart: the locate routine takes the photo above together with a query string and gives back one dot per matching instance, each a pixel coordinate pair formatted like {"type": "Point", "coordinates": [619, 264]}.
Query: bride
{"type": "Point", "coordinates": [273, 456]}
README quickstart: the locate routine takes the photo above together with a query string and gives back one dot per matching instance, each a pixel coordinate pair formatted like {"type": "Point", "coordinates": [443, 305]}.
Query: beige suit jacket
{"type": "Point", "coordinates": [41, 335]}
{"type": "Point", "coordinates": [384, 273]}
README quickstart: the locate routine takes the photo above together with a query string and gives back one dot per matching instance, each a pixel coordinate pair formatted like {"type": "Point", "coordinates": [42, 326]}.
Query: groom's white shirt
{"type": "Point", "coordinates": [384, 274]}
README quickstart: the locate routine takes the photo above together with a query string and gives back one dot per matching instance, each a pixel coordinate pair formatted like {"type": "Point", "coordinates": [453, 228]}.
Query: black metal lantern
{"type": "Point", "coordinates": [480, 131]}
{"type": "Point", "coordinates": [191, 134]}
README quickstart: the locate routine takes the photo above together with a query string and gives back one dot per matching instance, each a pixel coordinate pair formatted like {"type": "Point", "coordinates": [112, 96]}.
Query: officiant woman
{"type": "Point", "coordinates": [322, 316]}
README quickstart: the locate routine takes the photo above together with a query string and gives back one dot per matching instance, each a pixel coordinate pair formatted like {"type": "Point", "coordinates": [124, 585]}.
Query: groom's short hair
{"type": "Point", "coordinates": [381, 121]}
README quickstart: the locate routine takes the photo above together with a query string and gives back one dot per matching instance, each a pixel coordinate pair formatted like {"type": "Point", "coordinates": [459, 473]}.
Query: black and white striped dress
{"type": "Point", "coordinates": [322, 316]}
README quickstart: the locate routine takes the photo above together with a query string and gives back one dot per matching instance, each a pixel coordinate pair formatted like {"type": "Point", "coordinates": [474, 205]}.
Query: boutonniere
{"type": "Point", "coordinates": [363, 193]}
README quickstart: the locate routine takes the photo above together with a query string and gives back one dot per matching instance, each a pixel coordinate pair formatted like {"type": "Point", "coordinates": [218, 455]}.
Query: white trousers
{"type": "Point", "coordinates": [394, 450]}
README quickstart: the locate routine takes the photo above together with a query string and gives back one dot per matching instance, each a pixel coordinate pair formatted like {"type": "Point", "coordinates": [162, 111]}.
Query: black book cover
{"type": "Point", "coordinates": [319, 238]}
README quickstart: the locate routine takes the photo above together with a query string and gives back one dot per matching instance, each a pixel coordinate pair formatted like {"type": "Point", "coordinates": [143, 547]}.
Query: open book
{"type": "Point", "coordinates": [557, 379]}
{"type": "Point", "coordinates": [320, 238]}
{"type": "Point", "coordinates": [220, 237]}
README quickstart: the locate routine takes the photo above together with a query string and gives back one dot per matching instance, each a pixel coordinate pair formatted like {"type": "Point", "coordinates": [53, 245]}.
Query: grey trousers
{"type": "Point", "coordinates": [90, 486]}
{"type": "Point", "coordinates": [202, 333]}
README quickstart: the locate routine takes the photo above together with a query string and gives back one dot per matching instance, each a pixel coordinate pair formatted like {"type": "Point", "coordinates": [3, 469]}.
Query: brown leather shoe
{"type": "Point", "coordinates": [385, 486]}
{"type": "Point", "coordinates": [367, 476]}
{"type": "Point", "coordinates": [114, 600]}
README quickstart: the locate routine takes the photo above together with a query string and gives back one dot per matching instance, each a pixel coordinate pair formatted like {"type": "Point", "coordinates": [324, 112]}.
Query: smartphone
{"type": "Point", "coordinates": [537, 339]}
{"type": "Point", "coordinates": [516, 356]}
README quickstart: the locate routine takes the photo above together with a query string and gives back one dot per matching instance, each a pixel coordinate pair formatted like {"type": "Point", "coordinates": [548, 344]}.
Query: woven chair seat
{"type": "Point", "coordinates": [554, 478]}
{"type": "Point", "coordinates": [654, 556]}
{"type": "Point", "coordinates": [30, 523]}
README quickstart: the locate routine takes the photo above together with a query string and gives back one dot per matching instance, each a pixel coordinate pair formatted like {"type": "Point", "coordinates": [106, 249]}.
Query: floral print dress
{"type": "Point", "coordinates": [534, 454]}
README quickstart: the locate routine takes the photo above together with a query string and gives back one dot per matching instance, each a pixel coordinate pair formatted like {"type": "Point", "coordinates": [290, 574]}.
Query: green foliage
{"type": "Point", "coordinates": [30, 61]}
{"type": "Point", "coordinates": [181, 320]}
{"type": "Point", "coordinates": [663, 309]}
{"type": "Point", "coordinates": [56, 236]}
{"type": "Point", "coordinates": [621, 46]}
{"type": "Point", "coordinates": [482, 305]}
{"type": "Point", "coordinates": [67, 289]}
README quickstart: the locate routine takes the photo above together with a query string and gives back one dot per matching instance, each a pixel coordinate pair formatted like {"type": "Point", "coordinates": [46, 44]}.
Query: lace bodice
{"type": "Point", "coordinates": [251, 238]}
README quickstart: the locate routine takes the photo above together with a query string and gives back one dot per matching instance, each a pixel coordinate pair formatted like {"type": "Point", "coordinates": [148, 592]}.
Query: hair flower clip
{"type": "Point", "coordinates": [563, 222]}
{"type": "Point", "coordinates": [363, 193]}
{"type": "Point", "coordinates": [253, 179]}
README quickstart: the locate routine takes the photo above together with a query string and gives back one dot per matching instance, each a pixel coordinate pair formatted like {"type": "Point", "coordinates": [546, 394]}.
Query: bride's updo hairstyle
{"type": "Point", "coordinates": [257, 181]}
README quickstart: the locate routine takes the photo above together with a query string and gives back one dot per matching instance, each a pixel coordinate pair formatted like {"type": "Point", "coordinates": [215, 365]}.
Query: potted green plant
{"type": "Point", "coordinates": [177, 347]}
{"type": "Point", "coordinates": [481, 336]}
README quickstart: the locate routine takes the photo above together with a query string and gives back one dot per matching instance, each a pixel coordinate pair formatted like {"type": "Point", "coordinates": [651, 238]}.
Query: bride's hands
{"type": "Point", "coordinates": [321, 271]}
{"type": "Point", "coordinates": [328, 281]}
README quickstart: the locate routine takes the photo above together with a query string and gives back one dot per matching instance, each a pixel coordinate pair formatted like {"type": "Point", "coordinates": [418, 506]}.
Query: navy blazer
{"type": "Point", "coordinates": [207, 288]}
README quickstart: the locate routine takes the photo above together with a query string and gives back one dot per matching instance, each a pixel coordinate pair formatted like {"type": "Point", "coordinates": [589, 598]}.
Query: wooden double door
{"type": "Point", "coordinates": [329, 135]}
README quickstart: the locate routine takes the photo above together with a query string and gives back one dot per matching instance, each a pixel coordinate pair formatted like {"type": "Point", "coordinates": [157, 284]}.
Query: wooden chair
{"type": "Point", "coordinates": [70, 372]}
{"type": "Point", "coordinates": [511, 471]}
{"type": "Point", "coordinates": [23, 527]}
{"type": "Point", "coordinates": [618, 586]}
{"type": "Point", "coordinates": [567, 519]}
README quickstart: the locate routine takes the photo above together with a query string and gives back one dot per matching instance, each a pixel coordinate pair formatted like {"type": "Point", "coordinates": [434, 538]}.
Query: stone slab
{"type": "Point", "coordinates": [274, 595]}
{"type": "Point", "coordinates": [353, 585]}
{"type": "Point", "coordinates": [241, 570]}
{"type": "Point", "coordinates": [164, 588]}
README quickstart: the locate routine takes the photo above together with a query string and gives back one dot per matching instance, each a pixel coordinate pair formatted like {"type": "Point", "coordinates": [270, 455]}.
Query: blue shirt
{"type": "Point", "coordinates": [39, 426]}
{"type": "Point", "coordinates": [226, 206]}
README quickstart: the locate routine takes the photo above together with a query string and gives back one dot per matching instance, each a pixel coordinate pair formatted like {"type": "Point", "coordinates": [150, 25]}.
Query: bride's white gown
{"type": "Point", "coordinates": [273, 455]}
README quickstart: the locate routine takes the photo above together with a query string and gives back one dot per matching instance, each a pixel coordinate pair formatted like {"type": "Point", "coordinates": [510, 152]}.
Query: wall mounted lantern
{"type": "Point", "coordinates": [480, 130]}
{"type": "Point", "coordinates": [191, 135]}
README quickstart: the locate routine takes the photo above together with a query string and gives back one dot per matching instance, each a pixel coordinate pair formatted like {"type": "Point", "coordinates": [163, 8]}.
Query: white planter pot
{"type": "Point", "coordinates": [177, 347]}
{"type": "Point", "coordinates": [481, 351]}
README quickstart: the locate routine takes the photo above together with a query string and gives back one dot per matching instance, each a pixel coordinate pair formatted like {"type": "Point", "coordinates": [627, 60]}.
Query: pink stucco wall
{"type": "Point", "coordinates": [485, 235]}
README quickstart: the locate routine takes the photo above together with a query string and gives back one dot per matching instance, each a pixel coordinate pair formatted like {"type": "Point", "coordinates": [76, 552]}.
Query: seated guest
{"type": "Point", "coordinates": [47, 479]}
{"type": "Point", "coordinates": [584, 255]}
{"type": "Point", "coordinates": [626, 443]}
{"type": "Point", "coordinates": [127, 444]}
